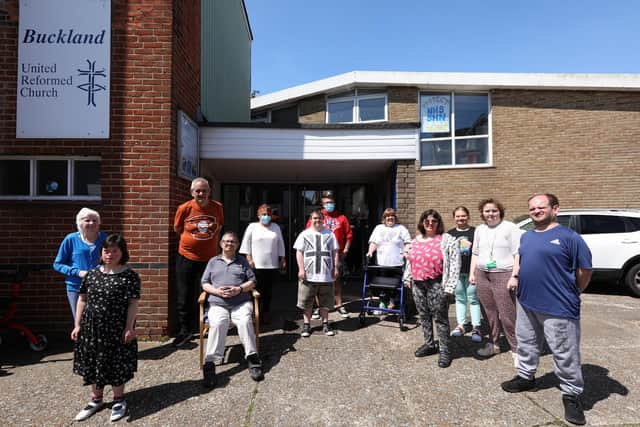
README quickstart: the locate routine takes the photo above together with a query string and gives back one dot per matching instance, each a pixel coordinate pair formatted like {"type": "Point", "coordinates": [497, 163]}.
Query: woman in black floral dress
{"type": "Point", "coordinates": [106, 350]}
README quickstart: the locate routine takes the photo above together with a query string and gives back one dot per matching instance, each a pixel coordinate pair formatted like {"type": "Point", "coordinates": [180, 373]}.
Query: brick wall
{"type": "Point", "coordinates": [402, 104]}
{"type": "Point", "coordinates": [185, 97]}
{"type": "Point", "coordinates": [580, 145]}
{"type": "Point", "coordinates": [139, 187]}
{"type": "Point", "coordinates": [406, 194]}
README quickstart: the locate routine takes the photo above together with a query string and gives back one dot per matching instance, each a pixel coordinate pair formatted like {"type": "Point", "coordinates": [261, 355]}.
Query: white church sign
{"type": "Point", "coordinates": [64, 69]}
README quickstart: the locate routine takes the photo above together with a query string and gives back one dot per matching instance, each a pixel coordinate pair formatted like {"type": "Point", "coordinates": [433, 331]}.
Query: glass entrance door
{"type": "Point", "coordinates": [291, 205]}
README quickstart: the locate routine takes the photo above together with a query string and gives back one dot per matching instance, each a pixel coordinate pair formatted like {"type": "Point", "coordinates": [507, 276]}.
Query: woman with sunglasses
{"type": "Point", "coordinates": [432, 274]}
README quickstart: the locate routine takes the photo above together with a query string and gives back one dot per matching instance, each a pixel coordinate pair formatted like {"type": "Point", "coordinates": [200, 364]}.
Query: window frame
{"type": "Point", "coordinates": [33, 178]}
{"type": "Point", "coordinates": [355, 109]}
{"type": "Point", "coordinates": [452, 138]}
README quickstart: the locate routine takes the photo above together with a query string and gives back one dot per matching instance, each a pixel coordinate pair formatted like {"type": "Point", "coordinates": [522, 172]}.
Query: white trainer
{"type": "Point", "coordinates": [91, 408]}
{"type": "Point", "coordinates": [118, 410]}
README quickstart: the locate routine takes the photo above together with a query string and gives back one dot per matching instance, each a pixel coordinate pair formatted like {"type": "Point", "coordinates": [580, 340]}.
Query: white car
{"type": "Point", "coordinates": [613, 235]}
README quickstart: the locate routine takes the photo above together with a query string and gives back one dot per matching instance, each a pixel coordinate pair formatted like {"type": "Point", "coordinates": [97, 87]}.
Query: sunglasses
{"type": "Point", "coordinates": [431, 221]}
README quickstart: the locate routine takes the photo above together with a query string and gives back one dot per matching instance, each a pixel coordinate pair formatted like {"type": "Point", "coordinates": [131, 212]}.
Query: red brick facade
{"type": "Point", "coordinates": [155, 69]}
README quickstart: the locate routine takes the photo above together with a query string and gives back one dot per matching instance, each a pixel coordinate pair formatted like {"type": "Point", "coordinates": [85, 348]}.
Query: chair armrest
{"type": "Point", "coordinates": [202, 298]}
{"type": "Point", "coordinates": [255, 293]}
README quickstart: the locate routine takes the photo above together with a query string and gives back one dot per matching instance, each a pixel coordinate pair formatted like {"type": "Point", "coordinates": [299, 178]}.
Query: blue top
{"type": "Point", "coordinates": [547, 277]}
{"type": "Point", "coordinates": [74, 256]}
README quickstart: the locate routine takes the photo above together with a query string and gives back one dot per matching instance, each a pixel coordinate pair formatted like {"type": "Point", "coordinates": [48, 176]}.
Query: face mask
{"type": "Point", "coordinates": [265, 219]}
{"type": "Point", "coordinates": [330, 207]}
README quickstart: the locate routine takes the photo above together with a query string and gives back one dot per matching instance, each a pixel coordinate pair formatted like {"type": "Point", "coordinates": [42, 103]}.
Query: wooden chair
{"type": "Point", "coordinates": [204, 327]}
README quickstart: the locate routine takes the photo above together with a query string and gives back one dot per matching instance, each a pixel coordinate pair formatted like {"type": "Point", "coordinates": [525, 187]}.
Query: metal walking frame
{"type": "Point", "coordinates": [377, 277]}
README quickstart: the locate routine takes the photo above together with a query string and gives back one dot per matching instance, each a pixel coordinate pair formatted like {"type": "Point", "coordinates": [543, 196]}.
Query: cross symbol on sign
{"type": "Point", "coordinates": [318, 253]}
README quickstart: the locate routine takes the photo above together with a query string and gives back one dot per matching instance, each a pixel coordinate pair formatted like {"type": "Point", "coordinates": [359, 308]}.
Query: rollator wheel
{"type": "Point", "coordinates": [361, 318]}
{"type": "Point", "coordinates": [403, 328]}
{"type": "Point", "coordinates": [40, 345]}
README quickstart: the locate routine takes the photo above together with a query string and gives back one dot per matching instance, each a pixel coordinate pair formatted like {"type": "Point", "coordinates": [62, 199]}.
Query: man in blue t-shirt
{"type": "Point", "coordinates": [552, 268]}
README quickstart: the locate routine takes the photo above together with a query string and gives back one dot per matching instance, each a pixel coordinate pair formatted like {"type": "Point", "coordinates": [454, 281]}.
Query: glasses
{"type": "Point", "coordinates": [229, 242]}
{"type": "Point", "coordinates": [431, 221]}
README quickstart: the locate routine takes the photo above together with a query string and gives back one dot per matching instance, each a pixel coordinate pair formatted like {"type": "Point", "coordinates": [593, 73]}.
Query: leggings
{"type": "Point", "coordinates": [432, 304]}
{"type": "Point", "coordinates": [466, 293]}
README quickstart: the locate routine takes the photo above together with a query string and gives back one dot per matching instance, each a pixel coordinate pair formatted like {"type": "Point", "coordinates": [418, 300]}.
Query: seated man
{"type": "Point", "coordinates": [228, 279]}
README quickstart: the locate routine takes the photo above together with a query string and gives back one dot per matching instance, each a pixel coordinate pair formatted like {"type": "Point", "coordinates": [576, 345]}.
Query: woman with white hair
{"type": "Point", "coordinates": [79, 252]}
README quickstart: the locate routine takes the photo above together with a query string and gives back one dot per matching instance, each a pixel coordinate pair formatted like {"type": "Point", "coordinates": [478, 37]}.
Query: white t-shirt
{"type": "Point", "coordinates": [318, 248]}
{"type": "Point", "coordinates": [264, 244]}
{"type": "Point", "coordinates": [499, 244]}
{"type": "Point", "coordinates": [390, 243]}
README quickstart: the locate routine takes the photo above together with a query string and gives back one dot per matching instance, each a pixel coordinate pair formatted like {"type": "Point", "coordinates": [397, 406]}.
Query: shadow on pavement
{"type": "Point", "coordinates": [160, 352]}
{"type": "Point", "coordinates": [607, 288]}
{"type": "Point", "coordinates": [15, 351]}
{"type": "Point", "coordinates": [147, 401]}
{"type": "Point", "coordinates": [598, 385]}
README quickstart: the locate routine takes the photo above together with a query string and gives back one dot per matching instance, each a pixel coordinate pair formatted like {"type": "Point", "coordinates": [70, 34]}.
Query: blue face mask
{"type": "Point", "coordinates": [330, 207]}
{"type": "Point", "coordinates": [265, 219]}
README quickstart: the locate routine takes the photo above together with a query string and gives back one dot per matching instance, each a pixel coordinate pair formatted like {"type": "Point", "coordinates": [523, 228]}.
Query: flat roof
{"type": "Point", "coordinates": [455, 81]}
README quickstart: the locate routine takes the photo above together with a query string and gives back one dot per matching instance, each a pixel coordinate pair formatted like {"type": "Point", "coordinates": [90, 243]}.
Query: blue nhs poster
{"type": "Point", "coordinates": [435, 113]}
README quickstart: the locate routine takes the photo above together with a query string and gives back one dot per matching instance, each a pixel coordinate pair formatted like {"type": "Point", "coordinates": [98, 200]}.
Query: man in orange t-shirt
{"type": "Point", "coordinates": [198, 223]}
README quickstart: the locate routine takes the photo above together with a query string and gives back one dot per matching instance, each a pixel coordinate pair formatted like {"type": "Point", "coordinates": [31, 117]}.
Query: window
{"type": "Point", "coordinates": [44, 178]}
{"type": "Point", "coordinates": [358, 106]}
{"type": "Point", "coordinates": [454, 129]}
{"type": "Point", "coordinates": [602, 224]}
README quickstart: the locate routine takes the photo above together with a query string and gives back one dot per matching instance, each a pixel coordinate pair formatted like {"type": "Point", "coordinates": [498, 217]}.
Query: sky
{"type": "Point", "coordinates": [299, 41]}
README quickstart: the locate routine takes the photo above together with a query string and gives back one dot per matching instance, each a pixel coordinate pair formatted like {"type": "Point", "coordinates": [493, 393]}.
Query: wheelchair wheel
{"type": "Point", "coordinates": [40, 345]}
{"type": "Point", "coordinates": [361, 318]}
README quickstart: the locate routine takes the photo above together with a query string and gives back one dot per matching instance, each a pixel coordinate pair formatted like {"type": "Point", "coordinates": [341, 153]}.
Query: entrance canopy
{"type": "Point", "coordinates": [244, 154]}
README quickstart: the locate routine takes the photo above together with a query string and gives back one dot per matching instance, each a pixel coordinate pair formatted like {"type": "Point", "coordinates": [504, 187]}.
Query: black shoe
{"type": "Point", "coordinates": [518, 384]}
{"type": "Point", "coordinates": [573, 411]}
{"type": "Point", "coordinates": [181, 339]}
{"type": "Point", "coordinates": [255, 367]}
{"type": "Point", "coordinates": [444, 360]}
{"type": "Point", "coordinates": [209, 374]}
{"type": "Point", "coordinates": [426, 350]}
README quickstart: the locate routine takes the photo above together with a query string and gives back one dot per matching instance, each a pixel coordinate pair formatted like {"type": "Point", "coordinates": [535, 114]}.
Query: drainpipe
{"type": "Point", "coordinates": [394, 170]}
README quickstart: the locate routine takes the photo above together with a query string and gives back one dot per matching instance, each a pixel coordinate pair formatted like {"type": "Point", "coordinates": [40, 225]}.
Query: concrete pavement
{"type": "Point", "coordinates": [361, 376]}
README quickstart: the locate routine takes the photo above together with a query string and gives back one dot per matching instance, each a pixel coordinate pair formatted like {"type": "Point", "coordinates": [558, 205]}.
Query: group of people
{"type": "Point", "coordinates": [103, 294]}
{"type": "Point", "coordinates": [525, 286]}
